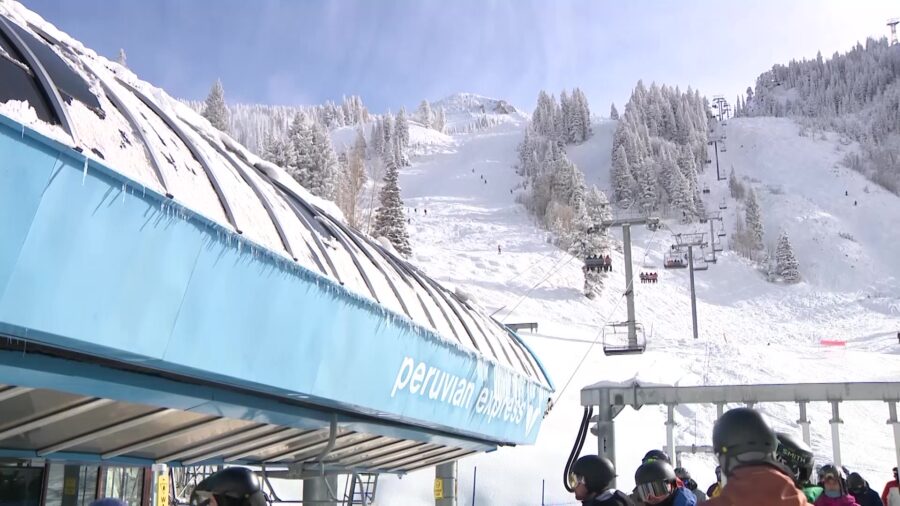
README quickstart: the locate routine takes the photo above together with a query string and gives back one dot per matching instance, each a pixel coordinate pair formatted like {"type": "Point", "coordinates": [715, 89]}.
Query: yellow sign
{"type": "Point", "coordinates": [70, 486]}
{"type": "Point", "coordinates": [162, 490]}
{"type": "Point", "coordinates": [438, 488]}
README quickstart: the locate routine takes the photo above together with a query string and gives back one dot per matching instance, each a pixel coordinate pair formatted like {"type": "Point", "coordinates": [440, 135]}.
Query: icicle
{"type": "Point", "coordinates": [84, 171]}
{"type": "Point", "coordinates": [23, 130]}
{"type": "Point", "coordinates": [124, 189]}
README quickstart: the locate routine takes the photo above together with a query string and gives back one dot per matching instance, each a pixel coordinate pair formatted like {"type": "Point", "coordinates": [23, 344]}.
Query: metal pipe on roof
{"type": "Point", "coordinates": [218, 443]}
{"type": "Point", "coordinates": [112, 429]}
{"type": "Point", "coordinates": [54, 417]}
{"type": "Point", "coordinates": [159, 439]}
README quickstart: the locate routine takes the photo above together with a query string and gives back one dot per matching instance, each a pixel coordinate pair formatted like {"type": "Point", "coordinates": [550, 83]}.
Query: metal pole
{"type": "Point", "coordinates": [804, 421]}
{"type": "Point", "coordinates": [474, 482]}
{"type": "Point", "coordinates": [446, 474]}
{"type": "Point", "coordinates": [892, 407]}
{"type": "Point", "coordinates": [716, 145]}
{"type": "Point", "coordinates": [320, 490]}
{"type": "Point", "coordinates": [712, 239]}
{"type": "Point", "coordinates": [606, 430]}
{"type": "Point", "coordinates": [670, 430]}
{"type": "Point", "coordinates": [720, 408]}
{"type": "Point", "coordinates": [543, 487]}
{"type": "Point", "coordinates": [835, 432]}
{"type": "Point", "coordinates": [693, 294]}
{"type": "Point", "coordinates": [629, 288]}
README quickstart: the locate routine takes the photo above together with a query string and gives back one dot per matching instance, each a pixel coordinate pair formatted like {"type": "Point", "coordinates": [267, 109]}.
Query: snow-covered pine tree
{"type": "Point", "coordinates": [735, 187]}
{"type": "Point", "coordinates": [754, 222]}
{"type": "Point", "coordinates": [122, 59]}
{"type": "Point", "coordinates": [275, 150]}
{"type": "Point", "coordinates": [326, 171]}
{"type": "Point", "coordinates": [440, 120]}
{"type": "Point", "coordinates": [389, 220]}
{"type": "Point", "coordinates": [613, 113]}
{"type": "Point", "coordinates": [786, 263]}
{"type": "Point", "coordinates": [565, 128]}
{"type": "Point", "coordinates": [401, 127]}
{"type": "Point", "coordinates": [584, 112]}
{"type": "Point", "coordinates": [215, 110]}
{"type": "Point", "coordinates": [426, 115]}
{"type": "Point", "coordinates": [593, 238]}
{"type": "Point", "coordinates": [623, 182]}
{"type": "Point", "coordinates": [376, 139]}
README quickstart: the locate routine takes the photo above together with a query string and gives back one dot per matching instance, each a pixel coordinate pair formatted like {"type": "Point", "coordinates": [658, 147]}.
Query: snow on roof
{"type": "Point", "coordinates": [155, 140]}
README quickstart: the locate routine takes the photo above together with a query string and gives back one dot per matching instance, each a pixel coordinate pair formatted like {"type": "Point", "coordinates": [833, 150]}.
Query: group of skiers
{"type": "Point", "coordinates": [757, 467]}
{"type": "Point", "coordinates": [648, 277]}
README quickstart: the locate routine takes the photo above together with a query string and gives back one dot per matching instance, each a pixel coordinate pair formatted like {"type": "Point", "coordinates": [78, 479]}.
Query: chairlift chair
{"type": "Point", "coordinates": [615, 339]}
{"type": "Point", "coordinates": [674, 259]}
{"type": "Point", "coordinates": [723, 204]}
{"type": "Point", "coordinates": [705, 188]}
{"type": "Point", "coordinates": [700, 263]}
{"type": "Point", "coordinates": [724, 150]}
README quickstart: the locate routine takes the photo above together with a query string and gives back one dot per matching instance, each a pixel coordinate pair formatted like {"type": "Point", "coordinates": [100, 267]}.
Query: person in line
{"type": "Point", "coordinates": [499, 251]}
{"type": "Point", "coordinates": [656, 484]}
{"type": "Point", "coordinates": [689, 483]}
{"type": "Point", "coordinates": [232, 486]}
{"type": "Point", "coordinates": [716, 488]}
{"type": "Point", "coordinates": [643, 278]}
{"type": "Point", "coordinates": [798, 458]}
{"type": "Point", "coordinates": [890, 496]}
{"type": "Point", "coordinates": [607, 263]}
{"type": "Point", "coordinates": [745, 446]}
{"type": "Point", "coordinates": [593, 475]}
{"type": "Point", "coordinates": [654, 277]}
{"type": "Point", "coordinates": [862, 492]}
{"type": "Point", "coordinates": [835, 485]}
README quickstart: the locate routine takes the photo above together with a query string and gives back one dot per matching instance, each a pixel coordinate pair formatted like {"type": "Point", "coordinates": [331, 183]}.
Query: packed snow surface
{"type": "Point", "coordinates": [750, 330]}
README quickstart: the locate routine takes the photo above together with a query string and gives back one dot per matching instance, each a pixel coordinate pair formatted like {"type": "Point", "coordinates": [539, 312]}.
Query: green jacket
{"type": "Point", "coordinates": [812, 493]}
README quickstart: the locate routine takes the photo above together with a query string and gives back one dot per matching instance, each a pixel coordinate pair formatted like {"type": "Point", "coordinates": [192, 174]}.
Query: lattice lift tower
{"type": "Point", "coordinates": [893, 24]}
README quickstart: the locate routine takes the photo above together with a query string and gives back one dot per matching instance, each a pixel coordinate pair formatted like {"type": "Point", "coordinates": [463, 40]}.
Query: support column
{"type": "Point", "coordinates": [835, 432]}
{"type": "Point", "coordinates": [804, 421]}
{"type": "Point", "coordinates": [320, 491]}
{"type": "Point", "coordinates": [670, 430]}
{"type": "Point", "coordinates": [720, 409]}
{"type": "Point", "coordinates": [892, 407]}
{"type": "Point", "coordinates": [606, 430]}
{"type": "Point", "coordinates": [693, 294]}
{"type": "Point", "coordinates": [751, 404]}
{"type": "Point", "coordinates": [159, 488]}
{"type": "Point", "coordinates": [629, 287]}
{"type": "Point", "coordinates": [445, 484]}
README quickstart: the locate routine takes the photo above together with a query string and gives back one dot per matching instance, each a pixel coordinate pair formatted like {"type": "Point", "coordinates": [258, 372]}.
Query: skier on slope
{"type": "Point", "coordinates": [798, 458]}
{"type": "Point", "coordinates": [835, 485]}
{"type": "Point", "coordinates": [593, 475]}
{"type": "Point", "coordinates": [745, 446]}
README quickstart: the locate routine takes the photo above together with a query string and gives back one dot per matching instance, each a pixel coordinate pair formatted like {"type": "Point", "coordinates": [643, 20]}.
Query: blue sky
{"type": "Point", "coordinates": [395, 52]}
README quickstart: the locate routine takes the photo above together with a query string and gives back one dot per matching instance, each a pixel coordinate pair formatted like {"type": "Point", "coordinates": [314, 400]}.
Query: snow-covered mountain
{"type": "Point", "coordinates": [751, 330]}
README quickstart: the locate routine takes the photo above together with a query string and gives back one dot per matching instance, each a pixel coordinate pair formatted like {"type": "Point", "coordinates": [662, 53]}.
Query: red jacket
{"type": "Point", "coordinates": [756, 486]}
{"type": "Point", "coordinates": [886, 496]}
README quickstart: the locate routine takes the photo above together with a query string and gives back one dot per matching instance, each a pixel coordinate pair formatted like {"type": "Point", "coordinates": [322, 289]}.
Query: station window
{"type": "Point", "coordinates": [71, 485]}
{"type": "Point", "coordinates": [21, 486]}
{"type": "Point", "coordinates": [126, 483]}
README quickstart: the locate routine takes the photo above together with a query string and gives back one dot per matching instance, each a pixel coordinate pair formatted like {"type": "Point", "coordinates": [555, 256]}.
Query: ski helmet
{"type": "Point", "coordinates": [654, 481]}
{"type": "Point", "coordinates": [796, 456]}
{"type": "Point", "coordinates": [856, 483]}
{"type": "Point", "coordinates": [232, 486]}
{"type": "Point", "coordinates": [656, 455]}
{"type": "Point", "coordinates": [742, 436]}
{"type": "Point", "coordinates": [598, 472]}
{"type": "Point", "coordinates": [830, 471]}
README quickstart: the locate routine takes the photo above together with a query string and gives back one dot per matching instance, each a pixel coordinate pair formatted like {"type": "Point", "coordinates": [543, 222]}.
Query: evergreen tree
{"type": "Point", "coordinates": [376, 139]}
{"type": "Point", "coordinates": [786, 263]}
{"type": "Point", "coordinates": [353, 180]}
{"type": "Point", "coordinates": [215, 110]}
{"type": "Point", "coordinates": [754, 222]}
{"type": "Point", "coordinates": [440, 120]}
{"type": "Point", "coordinates": [622, 179]}
{"type": "Point", "coordinates": [389, 220]}
{"type": "Point", "coordinates": [275, 150]}
{"type": "Point", "coordinates": [122, 59]}
{"type": "Point", "coordinates": [401, 143]}
{"type": "Point", "coordinates": [613, 113]}
{"type": "Point", "coordinates": [735, 186]}
{"type": "Point", "coordinates": [426, 115]}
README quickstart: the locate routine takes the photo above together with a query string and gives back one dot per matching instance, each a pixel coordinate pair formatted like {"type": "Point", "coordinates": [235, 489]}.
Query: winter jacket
{"type": "Point", "coordinates": [867, 497]}
{"type": "Point", "coordinates": [609, 498]}
{"type": "Point", "coordinates": [891, 494]}
{"type": "Point", "coordinates": [844, 500]}
{"type": "Point", "coordinates": [812, 492]}
{"type": "Point", "coordinates": [699, 495]}
{"type": "Point", "coordinates": [683, 497]}
{"type": "Point", "coordinates": [756, 486]}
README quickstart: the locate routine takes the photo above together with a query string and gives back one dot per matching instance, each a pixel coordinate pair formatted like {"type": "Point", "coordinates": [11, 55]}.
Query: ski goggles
{"type": "Point", "coordinates": [655, 491]}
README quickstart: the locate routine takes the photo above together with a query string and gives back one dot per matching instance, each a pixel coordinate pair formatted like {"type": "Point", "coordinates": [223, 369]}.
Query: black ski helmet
{"type": "Point", "coordinates": [856, 483]}
{"type": "Point", "coordinates": [797, 456]}
{"type": "Point", "coordinates": [652, 471]}
{"type": "Point", "coordinates": [232, 486]}
{"type": "Point", "coordinates": [742, 436]}
{"type": "Point", "coordinates": [656, 455]}
{"type": "Point", "coordinates": [836, 472]}
{"type": "Point", "coordinates": [598, 472]}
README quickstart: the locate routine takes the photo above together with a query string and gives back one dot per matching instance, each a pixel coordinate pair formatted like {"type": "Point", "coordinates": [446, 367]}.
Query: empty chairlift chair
{"type": "Point", "coordinates": [700, 262]}
{"type": "Point", "coordinates": [617, 342]}
{"type": "Point", "coordinates": [705, 188]}
{"type": "Point", "coordinates": [723, 204]}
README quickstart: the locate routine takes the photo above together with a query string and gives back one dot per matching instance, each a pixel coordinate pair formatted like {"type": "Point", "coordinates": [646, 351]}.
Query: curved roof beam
{"type": "Point", "coordinates": [257, 190]}
{"type": "Point", "coordinates": [46, 83]}
{"type": "Point", "coordinates": [176, 128]}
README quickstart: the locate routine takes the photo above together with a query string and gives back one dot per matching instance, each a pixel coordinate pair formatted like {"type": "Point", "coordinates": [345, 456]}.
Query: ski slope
{"type": "Point", "coordinates": [750, 330]}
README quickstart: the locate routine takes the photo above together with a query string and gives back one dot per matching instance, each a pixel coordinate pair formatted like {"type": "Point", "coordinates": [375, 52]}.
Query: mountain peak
{"type": "Point", "coordinates": [473, 103]}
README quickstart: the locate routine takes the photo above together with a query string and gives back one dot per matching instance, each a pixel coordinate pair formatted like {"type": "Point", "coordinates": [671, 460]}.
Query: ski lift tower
{"type": "Point", "coordinates": [712, 218]}
{"type": "Point", "coordinates": [893, 24]}
{"type": "Point", "coordinates": [625, 221]}
{"type": "Point", "coordinates": [720, 105]}
{"type": "Point", "coordinates": [689, 242]}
